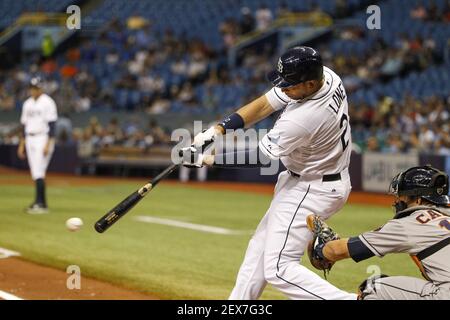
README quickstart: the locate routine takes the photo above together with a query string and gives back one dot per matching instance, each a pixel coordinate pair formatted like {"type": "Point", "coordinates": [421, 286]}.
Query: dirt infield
{"type": "Point", "coordinates": [28, 280]}
{"type": "Point", "coordinates": [22, 178]}
{"type": "Point", "coordinates": [355, 197]}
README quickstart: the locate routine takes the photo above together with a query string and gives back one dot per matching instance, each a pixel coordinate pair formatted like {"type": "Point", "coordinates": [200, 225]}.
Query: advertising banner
{"type": "Point", "coordinates": [378, 169]}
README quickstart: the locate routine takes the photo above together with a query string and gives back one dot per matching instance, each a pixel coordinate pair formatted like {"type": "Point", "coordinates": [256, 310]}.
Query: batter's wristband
{"type": "Point", "coordinates": [233, 122]}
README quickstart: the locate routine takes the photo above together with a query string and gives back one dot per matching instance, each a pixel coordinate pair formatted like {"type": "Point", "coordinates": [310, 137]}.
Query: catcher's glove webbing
{"type": "Point", "coordinates": [322, 234]}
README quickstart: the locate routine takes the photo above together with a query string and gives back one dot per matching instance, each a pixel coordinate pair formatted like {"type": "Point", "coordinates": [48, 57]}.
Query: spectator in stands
{"type": "Point", "coordinates": [264, 18]}
{"type": "Point", "coordinates": [392, 65]}
{"type": "Point", "coordinates": [144, 38]}
{"type": "Point", "coordinates": [229, 29]}
{"type": "Point", "coordinates": [352, 33]}
{"type": "Point", "coordinates": [88, 52]}
{"type": "Point", "coordinates": [426, 138]}
{"type": "Point", "coordinates": [209, 100]}
{"type": "Point", "coordinates": [48, 46]}
{"type": "Point", "coordinates": [136, 140]}
{"type": "Point", "coordinates": [136, 21]}
{"type": "Point", "coordinates": [342, 9]}
{"type": "Point", "coordinates": [432, 11]}
{"type": "Point", "coordinates": [112, 134]}
{"type": "Point", "coordinates": [83, 103]}
{"type": "Point", "coordinates": [373, 145]}
{"type": "Point", "coordinates": [63, 128]}
{"type": "Point", "coordinates": [394, 144]}
{"type": "Point", "coordinates": [94, 126]}
{"type": "Point", "coordinates": [7, 101]}
{"type": "Point", "coordinates": [283, 10]}
{"type": "Point", "coordinates": [131, 125]}
{"type": "Point", "coordinates": [187, 94]}
{"type": "Point", "coordinates": [158, 133]}
{"type": "Point", "coordinates": [179, 66]}
{"type": "Point", "coordinates": [446, 12]}
{"type": "Point", "coordinates": [247, 22]}
{"type": "Point", "coordinates": [198, 64]}
{"type": "Point", "coordinates": [419, 12]}
{"type": "Point", "coordinates": [442, 145]}
{"type": "Point", "coordinates": [49, 66]}
{"type": "Point", "coordinates": [65, 97]}
{"type": "Point", "coordinates": [159, 105]}
{"type": "Point", "coordinates": [69, 70]}
{"type": "Point", "coordinates": [86, 144]}
{"type": "Point", "coordinates": [112, 57]}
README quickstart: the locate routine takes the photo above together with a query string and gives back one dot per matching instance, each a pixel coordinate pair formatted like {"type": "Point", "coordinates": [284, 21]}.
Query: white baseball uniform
{"type": "Point", "coordinates": [312, 138]}
{"type": "Point", "coordinates": [36, 116]}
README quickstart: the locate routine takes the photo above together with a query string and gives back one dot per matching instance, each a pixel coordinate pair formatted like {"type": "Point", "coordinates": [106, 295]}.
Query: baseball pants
{"type": "Point", "coordinates": [275, 250]}
{"type": "Point", "coordinates": [35, 154]}
{"type": "Point", "coordinates": [406, 288]}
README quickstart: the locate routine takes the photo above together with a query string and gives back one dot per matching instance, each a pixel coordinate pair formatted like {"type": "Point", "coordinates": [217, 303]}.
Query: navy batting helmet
{"type": "Point", "coordinates": [298, 64]}
{"type": "Point", "coordinates": [36, 82]}
{"type": "Point", "coordinates": [425, 182]}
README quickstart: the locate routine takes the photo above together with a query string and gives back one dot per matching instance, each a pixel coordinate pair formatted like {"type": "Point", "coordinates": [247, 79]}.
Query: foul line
{"type": "Point", "coordinates": [187, 225]}
{"type": "Point", "coordinates": [7, 296]}
{"type": "Point", "coordinates": [5, 253]}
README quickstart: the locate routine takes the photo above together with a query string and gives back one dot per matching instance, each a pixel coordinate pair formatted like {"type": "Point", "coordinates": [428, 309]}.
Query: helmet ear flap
{"type": "Point", "coordinates": [440, 182]}
{"type": "Point", "coordinates": [395, 183]}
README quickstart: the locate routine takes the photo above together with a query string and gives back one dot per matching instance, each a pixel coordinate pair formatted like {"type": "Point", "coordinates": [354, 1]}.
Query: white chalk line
{"type": "Point", "coordinates": [5, 253]}
{"type": "Point", "coordinates": [188, 225]}
{"type": "Point", "coordinates": [8, 296]}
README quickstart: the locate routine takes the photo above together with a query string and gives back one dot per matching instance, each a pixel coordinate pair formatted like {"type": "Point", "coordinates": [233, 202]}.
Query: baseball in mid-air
{"type": "Point", "coordinates": [74, 224]}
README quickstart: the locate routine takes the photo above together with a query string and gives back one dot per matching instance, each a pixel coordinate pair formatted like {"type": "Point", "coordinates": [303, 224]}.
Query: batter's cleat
{"type": "Point", "coordinates": [37, 208]}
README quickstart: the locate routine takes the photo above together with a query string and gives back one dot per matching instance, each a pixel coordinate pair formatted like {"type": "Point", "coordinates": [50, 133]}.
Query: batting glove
{"type": "Point", "coordinates": [205, 138]}
{"type": "Point", "coordinates": [192, 158]}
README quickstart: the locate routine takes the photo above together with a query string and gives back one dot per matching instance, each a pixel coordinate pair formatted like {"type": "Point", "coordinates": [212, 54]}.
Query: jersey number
{"type": "Point", "coordinates": [344, 122]}
{"type": "Point", "coordinates": [445, 224]}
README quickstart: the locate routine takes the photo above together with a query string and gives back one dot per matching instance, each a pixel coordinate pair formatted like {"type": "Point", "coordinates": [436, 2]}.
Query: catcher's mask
{"type": "Point", "coordinates": [425, 182]}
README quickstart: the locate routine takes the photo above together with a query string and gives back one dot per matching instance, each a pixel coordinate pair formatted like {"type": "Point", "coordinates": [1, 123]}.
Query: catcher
{"type": "Point", "coordinates": [420, 227]}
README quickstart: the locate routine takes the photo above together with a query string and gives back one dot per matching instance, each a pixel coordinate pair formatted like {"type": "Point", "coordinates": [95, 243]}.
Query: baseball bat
{"type": "Point", "coordinates": [129, 202]}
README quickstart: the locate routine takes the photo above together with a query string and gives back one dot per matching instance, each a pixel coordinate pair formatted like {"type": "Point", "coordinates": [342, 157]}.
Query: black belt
{"type": "Point", "coordinates": [35, 134]}
{"type": "Point", "coordinates": [325, 177]}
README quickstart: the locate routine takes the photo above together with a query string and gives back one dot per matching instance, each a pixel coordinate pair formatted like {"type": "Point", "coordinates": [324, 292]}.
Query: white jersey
{"type": "Point", "coordinates": [311, 136]}
{"type": "Point", "coordinates": [36, 114]}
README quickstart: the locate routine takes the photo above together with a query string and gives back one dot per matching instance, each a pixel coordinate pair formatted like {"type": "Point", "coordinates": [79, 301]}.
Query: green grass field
{"type": "Point", "coordinates": [169, 262]}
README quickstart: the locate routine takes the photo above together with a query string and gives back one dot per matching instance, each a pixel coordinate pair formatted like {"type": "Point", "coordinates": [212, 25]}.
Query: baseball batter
{"type": "Point", "coordinates": [421, 228]}
{"type": "Point", "coordinates": [38, 119]}
{"type": "Point", "coordinates": [312, 139]}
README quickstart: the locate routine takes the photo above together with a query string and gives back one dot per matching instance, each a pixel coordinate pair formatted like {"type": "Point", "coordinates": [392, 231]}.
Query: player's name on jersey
{"type": "Point", "coordinates": [338, 97]}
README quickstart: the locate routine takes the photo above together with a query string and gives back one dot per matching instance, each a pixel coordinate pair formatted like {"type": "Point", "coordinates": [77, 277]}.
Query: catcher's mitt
{"type": "Point", "coordinates": [322, 234]}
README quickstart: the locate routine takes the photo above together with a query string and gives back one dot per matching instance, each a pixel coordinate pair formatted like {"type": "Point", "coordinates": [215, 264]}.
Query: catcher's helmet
{"type": "Point", "coordinates": [425, 182]}
{"type": "Point", "coordinates": [297, 65]}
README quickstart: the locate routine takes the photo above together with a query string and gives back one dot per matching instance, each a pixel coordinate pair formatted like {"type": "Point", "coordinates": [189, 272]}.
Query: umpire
{"type": "Point", "coordinates": [421, 227]}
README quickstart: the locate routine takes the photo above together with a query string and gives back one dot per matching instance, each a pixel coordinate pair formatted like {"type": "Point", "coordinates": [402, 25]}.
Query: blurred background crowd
{"type": "Point", "coordinates": [172, 57]}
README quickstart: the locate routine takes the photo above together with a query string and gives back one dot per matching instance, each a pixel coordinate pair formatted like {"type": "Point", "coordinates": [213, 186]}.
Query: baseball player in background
{"type": "Point", "coordinates": [420, 227]}
{"type": "Point", "coordinates": [312, 139]}
{"type": "Point", "coordinates": [38, 119]}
